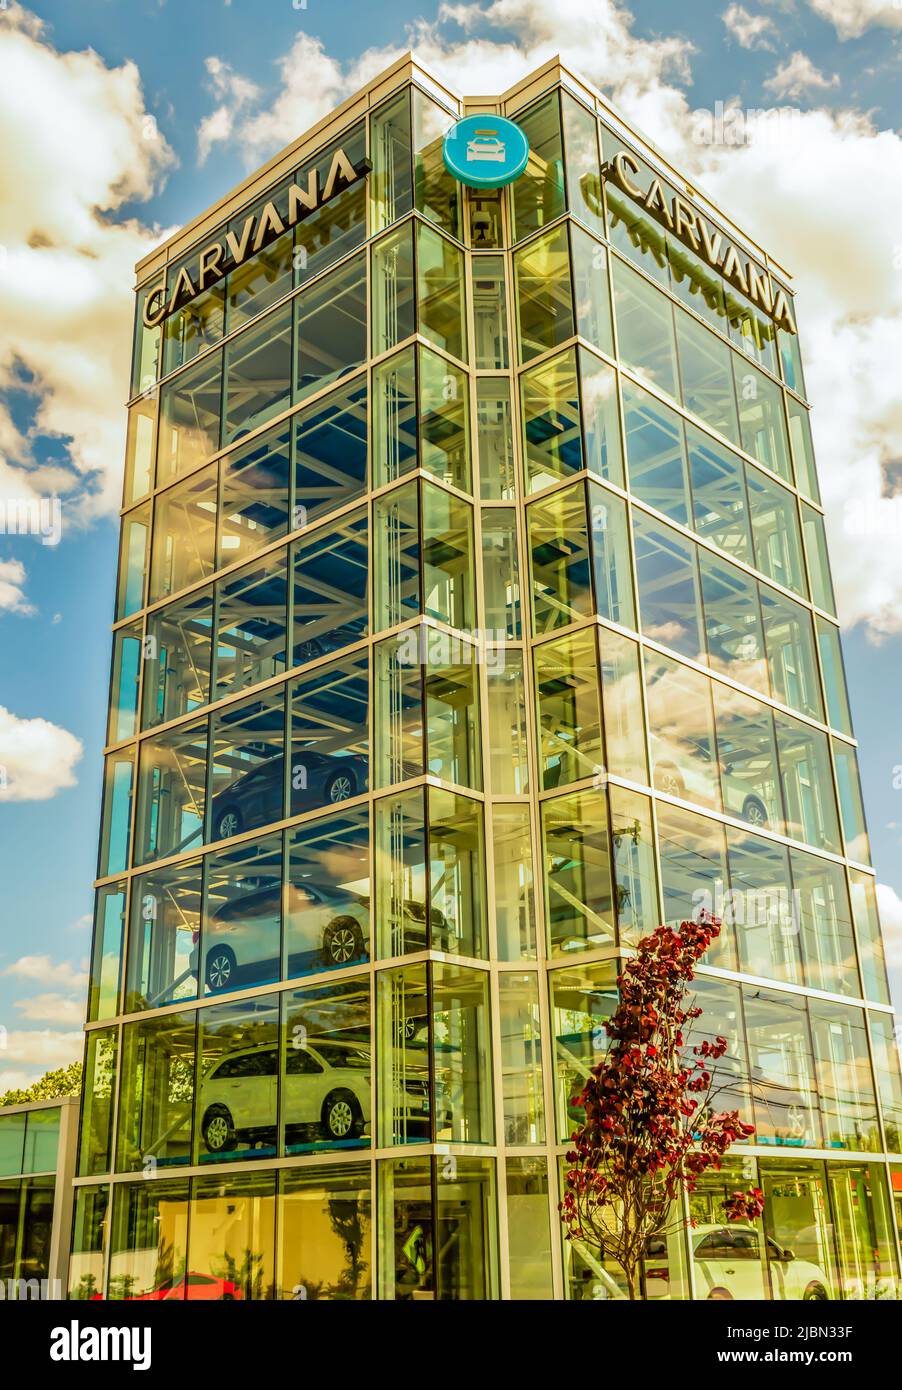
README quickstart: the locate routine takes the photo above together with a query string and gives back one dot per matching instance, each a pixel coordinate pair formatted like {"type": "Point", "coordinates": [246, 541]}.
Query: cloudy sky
{"type": "Point", "coordinates": [124, 118]}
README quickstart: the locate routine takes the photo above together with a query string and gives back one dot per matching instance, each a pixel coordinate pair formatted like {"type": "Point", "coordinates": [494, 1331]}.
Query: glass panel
{"type": "Point", "coordinates": [807, 780]}
{"type": "Point", "coordinates": [591, 290]}
{"type": "Point", "coordinates": [656, 455]}
{"type": "Point", "coordinates": [624, 733]}
{"type": "Point", "coordinates": [581, 999]}
{"type": "Point", "coordinates": [189, 418]}
{"type": "Point", "coordinates": [851, 805]}
{"type": "Point", "coordinates": [719, 501]}
{"type": "Point", "coordinates": [396, 570]}
{"type": "Point", "coordinates": [601, 422]}
{"type": "Point", "coordinates": [232, 1237]}
{"type": "Point", "coordinates": [177, 658]}
{"type": "Point", "coordinates": [818, 561]}
{"type": "Point", "coordinates": [560, 560]}
{"type": "Point", "coordinates": [327, 1065]}
{"type": "Point", "coordinates": [490, 314]}
{"type": "Point", "coordinates": [250, 626]}
{"type": "Point", "coordinates": [838, 714]}
{"type": "Point", "coordinates": [331, 570]}
{"type": "Point", "coordinates": [706, 377]}
{"type": "Point", "coordinates": [822, 911]}
{"type": "Point", "coordinates": [521, 1058]}
{"type": "Point", "coordinates": [339, 225]}
{"type": "Point", "coordinates": [441, 297]}
{"type": "Point", "coordinates": [694, 875]}
{"type": "Point", "coordinates": [568, 707]}
{"type": "Point", "coordinates": [721, 1016]}
{"type": "Point", "coordinates": [139, 450]}
{"type": "Point", "coordinates": [552, 434]}
{"type": "Point", "coordinates": [461, 1055]}
{"type": "Point", "coordinates": [88, 1233]}
{"type": "Point", "coordinates": [195, 326]}
{"type": "Point", "coordinates": [238, 1080]}
{"type": "Point", "coordinates": [263, 279]}
{"type": "Point", "coordinates": [747, 757]}
{"type": "Point", "coordinates": [682, 723]}
{"type": "Point", "coordinates": [133, 558]}
{"type": "Point", "coordinates": [645, 333]}
{"type": "Point", "coordinates": [868, 1264]}
{"type": "Point", "coordinates": [888, 1074]}
{"type": "Point", "coordinates": [329, 735]}
{"type": "Point", "coordinates": [395, 417]}
{"type": "Point", "coordinates": [444, 421]}
{"type": "Point", "coordinates": [253, 509]}
{"type": "Point", "coordinates": [790, 653]}
{"type": "Point", "coordinates": [156, 1093]}
{"type": "Point", "coordinates": [766, 915]}
{"type": "Point", "coordinates": [106, 952]}
{"type": "Point", "coordinates": [95, 1142]}
{"type": "Point", "coordinates": [393, 310]}
{"type": "Point", "coordinates": [404, 1088]}
{"type": "Point", "coordinates": [171, 792]}
{"type": "Point", "coordinates": [398, 750]}
{"type": "Point", "coordinates": [494, 439]}
{"type": "Point", "coordinates": [451, 693]}
{"type": "Point", "coordinates": [775, 527]}
{"type": "Point", "coordinates": [184, 534]}
{"type": "Point", "coordinates": [667, 578]}
{"type": "Point", "coordinates": [163, 937]}
{"type": "Point", "coordinates": [330, 453]}
{"type": "Point", "coordinates": [848, 1103]}
{"type": "Point", "coordinates": [330, 329]}
{"type": "Point", "coordinates": [870, 941]}
{"type": "Point", "coordinates": [635, 872]}
{"type": "Point", "coordinates": [115, 823]}
{"type": "Point", "coordinates": [579, 895]}
{"type": "Point", "coordinates": [790, 352]}
{"type": "Point", "coordinates": [149, 1243]}
{"type": "Point", "coordinates": [447, 559]}
{"type": "Point", "coordinates": [783, 1085]}
{"type": "Point", "coordinates": [733, 623]}
{"type": "Point", "coordinates": [401, 884]}
{"type": "Point", "coordinates": [762, 421]}
{"type": "Point", "coordinates": [241, 940]}
{"type": "Point", "coordinates": [583, 173]}
{"type": "Point", "coordinates": [146, 351]}
{"type": "Point", "coordinates": [529, 1236]}
{"type": "Point", "coordinates": [802, 449]}
{"type": "Point", "coordinates": [508, 759]}
{"type": "Point", "coordinates": [247, 765]}
{"type": "Point", "coordinates": [12, 1143]}
{"type": "Point", "coordinates": [325, 1232]}
{"type": "Point", "coordinates": [544, 303]}
{"type": "Point", "coordinates": [390, 181]}
{"type": "Point", "coordinates": [456, 839]}
{"type": "Point", "coordinates": [515, 914]}
{"type": "Point", "coordinates": [406, 1268]}
{"type": "Point", "coordinates": [611, 557]}
{"type": "Point", "coordinates": [729, 1258]}
{"type": "Point", "coordinates": [327, 900]}
{"type": "Point", "coordinates": [436, 192]}
{"type": "Point", "coordinates": [538, 195]}
{"type": "Point", "coordinates": [124, 678]}
{"type": "Point", "coordinates": [501, 571]}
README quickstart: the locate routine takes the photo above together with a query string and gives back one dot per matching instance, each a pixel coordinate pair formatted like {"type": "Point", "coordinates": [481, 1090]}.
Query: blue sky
{"type": "Point", "coordinates": [96, 181]}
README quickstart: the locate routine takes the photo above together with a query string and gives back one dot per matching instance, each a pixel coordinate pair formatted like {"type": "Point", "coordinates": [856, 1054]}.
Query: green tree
{"type": "Point", "coordinates": [64, 1081]}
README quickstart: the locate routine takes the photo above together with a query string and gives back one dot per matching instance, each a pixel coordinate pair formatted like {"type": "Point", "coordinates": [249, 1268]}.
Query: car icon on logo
{"type": "Point", "coordinates": [485, 145]}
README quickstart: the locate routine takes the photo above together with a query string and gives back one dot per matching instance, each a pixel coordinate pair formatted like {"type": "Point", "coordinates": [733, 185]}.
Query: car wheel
{"type": "Point", "coordinates": [668, 779]}
{"type": "Point", "coordinates": [816, 1293]}
{"type": "Point", "coordinates": [754, 811]}
{"type": "Point", "coordinates": [228, 823]}
{"type": "Point", "coordinates": [218, 1130]}
{"type": "Point", "coordinates": [341, 786]}
{"type": "Point", "coordinates": [342, 1116]}
{"type": "Point", "coordinates": [720, 1295]}
{"type": "Point", "coordinates": [220, 969]}
{"type": "Point", "coordinates": [342, 941]}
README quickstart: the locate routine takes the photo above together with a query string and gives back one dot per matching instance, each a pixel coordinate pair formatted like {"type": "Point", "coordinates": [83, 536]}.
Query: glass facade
{"type": "Point", "coordinates": [474, 615]}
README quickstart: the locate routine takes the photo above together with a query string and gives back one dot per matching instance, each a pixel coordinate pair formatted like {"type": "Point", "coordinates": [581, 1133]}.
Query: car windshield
{"type": "Point", "coordinates": [344, 1056]}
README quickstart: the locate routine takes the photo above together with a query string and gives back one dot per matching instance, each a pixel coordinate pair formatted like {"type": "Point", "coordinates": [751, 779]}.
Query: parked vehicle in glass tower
{"type": "Point", "coordinates": [728, 1265]}
{"type": "Point", "coordinates": [692, 773]}
{"type": "Point", "coordinates": [256, 798]}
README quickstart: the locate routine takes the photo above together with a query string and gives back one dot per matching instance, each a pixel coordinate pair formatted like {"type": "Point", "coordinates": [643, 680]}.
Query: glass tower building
{"type": "Point", "coordinates": [473, 617]}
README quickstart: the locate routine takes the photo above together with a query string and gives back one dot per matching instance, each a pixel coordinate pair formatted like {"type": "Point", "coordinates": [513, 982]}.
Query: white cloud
{"type": "Point", "coordinates": [851, 18]}
{"type": "Point", "coordinates": [889, 905]}
{"type": "Point", "coordinates": [749, 30]}
{"type": "Point", "coordinates": [46, 971]}
{"type": "Point", "coordinates": [234, 93]}
{"type": "Point", "coordinates": [37, 758]}
{"type": "Point", "coordinates": [798, 75]}
{"type": "Point", "coordinates": [52, 1008]}
{"type": "Point", "coordinates": [12, 588]}
{"type": "Point", "coordinates": [26, 1054]}
{"type": "Point", "coordinates": [84, 146]}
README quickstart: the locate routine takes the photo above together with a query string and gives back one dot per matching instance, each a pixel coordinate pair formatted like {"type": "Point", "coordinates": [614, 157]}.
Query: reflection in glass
{"type": "Point", "coordinates": [327, 1066]}
{"type": "Point", "coordinates": [325, 1232]}
{"type": "Point", "coordinates": [582, 998]}
{"type": "Point", "coordinates": [515, 914]}
{"type": "Point", "coordinates": [163, 937]}
{"type": "Point", "coordinates": [238, 1071]}
{"type": "Point", "coordinates": [579, 895]}
{"type": "Point", "coordinates": [250, 625]}
{"type": "Point", "coordinates": [327, 899]}
{"type": "Point", "coordinates": [329, 713]}
{"type": "Point", "coordinates": [171, 791]}
{"type": "Point", "coordinates": [248, 765]}
{"type": "Point", "coordinates": [177, 654]}
{"type": "Point", "coordinates": [232, 1237]}
{"type": "Point", "coordinates": [156, 1092]}
{"type": "Point", "coordinates": [521, 1058]}
{"type": "Point", "coordinates": [240, 943]}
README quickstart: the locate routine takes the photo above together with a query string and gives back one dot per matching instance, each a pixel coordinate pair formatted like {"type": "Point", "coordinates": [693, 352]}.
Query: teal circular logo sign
{"type": "Point", "coordinates": [485, 151]}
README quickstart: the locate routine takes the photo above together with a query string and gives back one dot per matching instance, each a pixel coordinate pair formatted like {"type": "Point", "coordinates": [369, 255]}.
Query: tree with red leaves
{"type": "Point", "coordinates": [651, 1126]}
